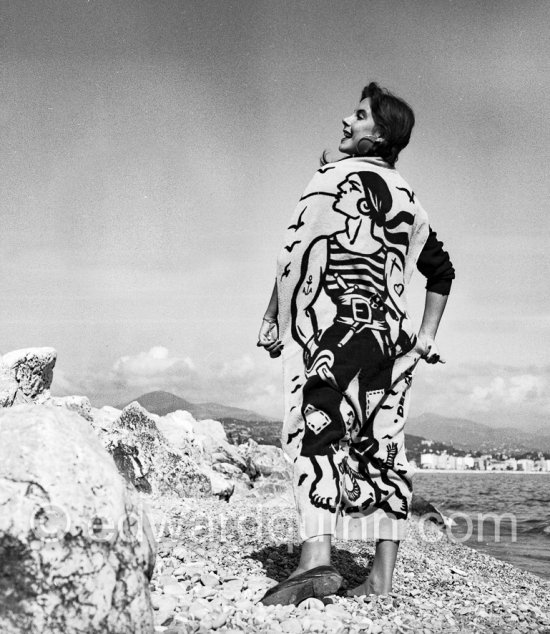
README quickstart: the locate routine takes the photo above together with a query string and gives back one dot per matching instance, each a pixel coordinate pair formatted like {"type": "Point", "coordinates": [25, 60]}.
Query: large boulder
{"type": "Point", "coordinates": [26, 375]}
{"type": "Point", "coordinates": [265, 460]}
{"type": "Point", "coordinates": [211, 436]}
{"type": "Point", "coordinates": [177, 428]}
{"type": "Point", "coordinates": [75, 546]}
{"type": "Point", "coordinates": [146, 459]}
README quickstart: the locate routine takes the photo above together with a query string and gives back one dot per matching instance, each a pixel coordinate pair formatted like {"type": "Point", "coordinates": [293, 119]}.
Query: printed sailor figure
{"type": "Point", "coordinates": [338, 316]}
{"type": "Point", "coordinates": [349, 364]}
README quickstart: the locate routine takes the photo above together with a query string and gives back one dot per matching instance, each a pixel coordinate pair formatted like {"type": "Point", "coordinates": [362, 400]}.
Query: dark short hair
{"type": "Point", "coordinates": [394, 120]}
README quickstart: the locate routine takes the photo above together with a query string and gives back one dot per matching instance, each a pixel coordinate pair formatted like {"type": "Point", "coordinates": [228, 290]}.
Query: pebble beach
{"type": "Point", "coordinates": [216, 560]}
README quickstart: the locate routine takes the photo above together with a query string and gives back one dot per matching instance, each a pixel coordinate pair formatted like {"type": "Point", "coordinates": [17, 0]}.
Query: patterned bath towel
{"type": "Point", "coordinates": [349, 253]}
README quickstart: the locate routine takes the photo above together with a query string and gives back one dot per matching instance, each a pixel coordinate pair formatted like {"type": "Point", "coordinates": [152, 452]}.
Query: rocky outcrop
{"type": "Point", "coordinates": [26, 376]}
{"type": "Point", "coordinates": [265, 460]}
{"type": "Point", "coordinates": [75, 546]}
{"type": "Point", "coordinates": [79, 404]}
{"type": "Point", "coordinates": [145, 458]}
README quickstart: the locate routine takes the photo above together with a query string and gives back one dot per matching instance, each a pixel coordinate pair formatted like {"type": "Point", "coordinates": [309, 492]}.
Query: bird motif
{"type": "Point", "coordinates": [286, 271]}
{"type": "Point", "coordinates": [300, 222]}
{"type": "Point", "coordinates": [291, 246]}
{"type": "Point", "coordinates": [409, 194]}
{"type": "Point", "coordinates": [291, 437]}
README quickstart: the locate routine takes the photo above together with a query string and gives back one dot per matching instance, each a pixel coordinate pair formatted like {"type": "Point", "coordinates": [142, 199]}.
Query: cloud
{"type": "Point", "coordinates": [488, 393]}
{"type": "Point", "coordinates": [154, 365]}
{"type": "Point", "coordinates": [238, 368]}
{"type": "Point", "coordinates": [513, 390]}
{"type": "Point", "coordinates": [244, 381]}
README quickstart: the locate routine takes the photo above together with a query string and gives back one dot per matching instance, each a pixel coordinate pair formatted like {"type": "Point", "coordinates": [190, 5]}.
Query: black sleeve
{"type": "Point", "coordinates": [434, 263]}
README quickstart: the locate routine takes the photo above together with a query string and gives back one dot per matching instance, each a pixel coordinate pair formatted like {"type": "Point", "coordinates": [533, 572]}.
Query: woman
{"type": "Point", "coordinates": [338, 309]}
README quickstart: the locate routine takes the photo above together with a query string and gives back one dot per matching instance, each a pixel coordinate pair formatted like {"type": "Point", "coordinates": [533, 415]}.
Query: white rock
{"type": "Point", "coordinates": [311, 605]}
{"type": "Point", "coordinates": [209, 428]}
{"type": "Point", "coordinates": [90, 548]}
{"type": "Point", "coordinates": [79, 404]}
{"type": "Point", "coordinates": [105, 416]}
{"type": "Point", "coordinates": [221, 486]}
{"type": "Point", "coordinates": [336, 609]}
{"type": "Point", "coordinates": [175, 589]}
{"type": "Point", "coordinates": [199, 611]}
{"type": "Point", "coordinates": [165, 606]}
{"type": "Point", "coordinates": [218, 620]}
{"type": "Point", "coordinates": [29, 375]}
{"type": "Point", "coordinates": [177, 427]}
{"type": "Point", "coordinates": [292, 626]}
{"type": "Point", "coordinates": [210, 580]}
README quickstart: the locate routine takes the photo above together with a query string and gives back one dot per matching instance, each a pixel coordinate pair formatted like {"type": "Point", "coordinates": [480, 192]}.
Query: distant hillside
{"type": "Point", "coordinates": [262, 431]}
{"type": "Point", "coordinates": [473, 436]}
{"type": "Point", "coordinates": [459, 434]}
{"type": "Point", "coordinates": [162, 403]}
{"type": "Point", "coordinates": [268, 433]}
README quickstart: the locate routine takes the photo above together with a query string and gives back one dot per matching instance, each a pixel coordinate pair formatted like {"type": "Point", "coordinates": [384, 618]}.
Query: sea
{"type": "Point", "coordinates": [503, 514]}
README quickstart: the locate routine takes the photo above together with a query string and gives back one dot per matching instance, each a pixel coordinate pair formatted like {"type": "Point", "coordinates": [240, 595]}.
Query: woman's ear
{"type": "Point", "coordinates": [363, 207]}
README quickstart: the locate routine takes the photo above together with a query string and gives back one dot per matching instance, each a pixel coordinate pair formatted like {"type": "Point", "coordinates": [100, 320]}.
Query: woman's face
{"type": "Point", "coordinates": [350, 198]}
{"type": "Point", "coordinates": [357, 126]}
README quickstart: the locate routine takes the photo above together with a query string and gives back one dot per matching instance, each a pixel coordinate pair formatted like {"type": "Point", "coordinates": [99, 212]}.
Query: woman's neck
{"type": "Point", "coordinates": [358, 236]}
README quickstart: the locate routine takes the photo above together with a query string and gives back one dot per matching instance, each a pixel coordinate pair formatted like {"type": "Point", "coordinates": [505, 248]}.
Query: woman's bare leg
{"type": "Point", "coordinates": [380, 577]}
{"type": "Point", "coordinates": [315, 552]}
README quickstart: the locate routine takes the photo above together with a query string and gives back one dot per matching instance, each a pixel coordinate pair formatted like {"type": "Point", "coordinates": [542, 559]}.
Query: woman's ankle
{"type": "Point", "coordinates": [378, 584]}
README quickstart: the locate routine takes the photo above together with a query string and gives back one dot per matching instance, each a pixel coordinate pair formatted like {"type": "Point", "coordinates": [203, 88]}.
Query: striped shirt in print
{"type": "Point", "coordinates": [364, 271]}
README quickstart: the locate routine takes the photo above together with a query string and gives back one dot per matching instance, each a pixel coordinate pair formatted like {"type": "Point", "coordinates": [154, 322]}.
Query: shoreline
{"type": "Point", "coordinates": [484, 471]}
{"type": "Point", "coordinates": [202, 582]}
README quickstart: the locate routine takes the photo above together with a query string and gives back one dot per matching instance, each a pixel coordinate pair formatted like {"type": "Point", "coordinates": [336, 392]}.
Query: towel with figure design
{"type": "Point", "coordinates": [348, 356]}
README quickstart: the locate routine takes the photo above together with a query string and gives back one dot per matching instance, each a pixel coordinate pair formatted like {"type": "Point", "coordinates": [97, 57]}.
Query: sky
{"type": "Point", "coordinates": [154, 151]}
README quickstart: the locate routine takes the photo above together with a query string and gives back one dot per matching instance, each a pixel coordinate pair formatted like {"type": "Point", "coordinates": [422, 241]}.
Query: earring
{"type": "Point", "coordinates": [370, 139]}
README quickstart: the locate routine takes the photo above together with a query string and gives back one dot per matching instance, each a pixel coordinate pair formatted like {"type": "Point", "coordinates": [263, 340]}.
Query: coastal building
{"type": "Point", "coordinates": [526, 464]}
{"type": "Point", "coordinates": [481, 463]}
{"type": "Point", "coordinates": [511, 464]}
{"type": "Point", "coordinates": [464, 462]}
{"type": "Point", "coordinates": [428, 461]}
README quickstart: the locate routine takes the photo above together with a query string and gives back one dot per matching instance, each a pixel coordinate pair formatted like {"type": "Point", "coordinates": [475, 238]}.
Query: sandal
{"type": "Point", "coordinates": [315, 583]}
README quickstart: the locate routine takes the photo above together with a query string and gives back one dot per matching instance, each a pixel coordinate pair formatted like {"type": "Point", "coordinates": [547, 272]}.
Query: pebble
{"type": "Point", "coordinates": [175, 589]}
{"type": "Point", "coordinates": [204, 591]}
{"type": "Point", "coordinates": [210, 580]}
{"type": "Point", "coordinates": [291, 627]}
{"type": "Point", "coordinates": [312, 604]}
{"type": "Point", "coordinates": [164, 608]}
{"type": "Point", "coordinates": [196, 568]}
{"type": "Point", "coordinates": [336, 609]}
{"type": "Point", "coordinates": [199, 611]}
{"type": "Point", "coordinates": [233, 585]}
{"type": "Point", "coordinates": [432, 591]}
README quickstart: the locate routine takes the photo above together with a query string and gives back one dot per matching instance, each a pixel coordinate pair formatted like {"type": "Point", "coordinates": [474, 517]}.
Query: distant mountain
{"type": "Point", "coordinates": [469, 435]}
{"type": "Point", "coordinates": [163, 403]}
{"type": "Point", "coordinates": [459, 433]}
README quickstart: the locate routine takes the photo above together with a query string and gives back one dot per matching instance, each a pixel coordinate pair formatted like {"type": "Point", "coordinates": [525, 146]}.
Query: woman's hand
{"type": "Point", "coordinates": [268, 338]}
{"type": "Point", "coordinates": [427, 349]}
